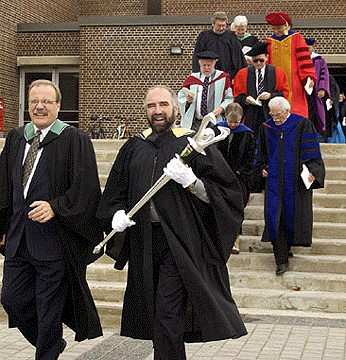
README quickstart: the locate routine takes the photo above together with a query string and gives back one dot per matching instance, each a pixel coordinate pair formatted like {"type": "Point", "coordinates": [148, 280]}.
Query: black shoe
{"type": "Point", "coordinates": [63, 344]}
{"type": "Point", "coordinates": [281, 269]}
{"type": "Point", "coordinates": [290, 254]}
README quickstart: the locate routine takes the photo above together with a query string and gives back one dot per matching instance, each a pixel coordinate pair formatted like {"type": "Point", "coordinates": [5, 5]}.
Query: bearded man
{"type": "Point", "coordinates": [177, 245]}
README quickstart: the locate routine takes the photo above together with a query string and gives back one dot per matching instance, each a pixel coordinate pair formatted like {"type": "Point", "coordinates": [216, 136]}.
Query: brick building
{"type": "Point", "coordinates": [105, 54]}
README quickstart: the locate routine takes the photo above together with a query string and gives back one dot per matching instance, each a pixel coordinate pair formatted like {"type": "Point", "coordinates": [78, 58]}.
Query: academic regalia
{"type": "Point", "coordinates": [239, 149]}
{"type": "Point", "coordinates": [275, 82]}
{"type": "Point", "coordinates": [291, 53]}
{"type": "Point", "coordinates": [200, 235]}
{"type": "Point", "coordinates": [282, 150]}
{"type": "Point", "coordinates": [74, 191]}
{"type": "Point", "coordinates": [219, 94]}
{"type": "Point", "coordinates": [318, 114]}
{"type": "Point", "coordinates": [226, 46]}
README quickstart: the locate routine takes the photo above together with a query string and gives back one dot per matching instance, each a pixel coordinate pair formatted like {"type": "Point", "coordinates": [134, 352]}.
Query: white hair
{"type": "Point", "coordinates": [279, 103]}
{"type": "Point", "coordinates": [240, 20]}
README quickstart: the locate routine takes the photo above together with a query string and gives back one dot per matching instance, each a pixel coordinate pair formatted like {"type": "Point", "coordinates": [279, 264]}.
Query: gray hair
{"type": "Point", "coordinates": [219, 16]}
{"type": "Point", "coordinates": [280, 103]}
{"type": "Point", "coordinates": [173, 94]}
{"type": "Point", "coordinates": [45, 82]}
{"type": "Point", "coordinates": [240, 20]}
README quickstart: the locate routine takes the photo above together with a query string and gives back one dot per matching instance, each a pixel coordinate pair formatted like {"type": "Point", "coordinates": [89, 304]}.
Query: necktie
{"type": "Point", "coordinates": [30, 158]}
{"type": "Point", "coordinates": [260, 83]}
{"type": "Point", "coordinates": [204, 100]}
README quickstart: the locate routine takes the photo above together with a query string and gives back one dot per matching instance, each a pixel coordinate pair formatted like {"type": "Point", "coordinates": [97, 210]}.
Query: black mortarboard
{"type": "Point", "coordinates": [207, 55]}
{"type": "Point", "coordinates": [310, 41]}
{"type": "Point", "coordinates": [258, 49]}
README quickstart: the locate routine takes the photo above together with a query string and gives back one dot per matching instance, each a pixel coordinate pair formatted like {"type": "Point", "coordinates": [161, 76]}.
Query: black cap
{"type": "Point", "coordinates": [310, 41]}
{"type": "Point", "coordinates": [258, 49]}
{"type": "Point", "coordinates": [207, 55]}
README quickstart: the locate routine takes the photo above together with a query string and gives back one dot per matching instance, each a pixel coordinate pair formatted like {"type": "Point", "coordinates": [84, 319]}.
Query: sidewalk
{"type": "Point", "coordinates": [272, 336]}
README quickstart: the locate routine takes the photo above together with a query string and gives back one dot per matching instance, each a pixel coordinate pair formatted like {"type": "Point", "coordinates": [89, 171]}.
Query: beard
{"type": "Point", "coordinates": [160, 128]}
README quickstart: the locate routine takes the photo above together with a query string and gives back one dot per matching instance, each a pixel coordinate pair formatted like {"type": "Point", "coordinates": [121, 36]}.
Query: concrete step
{"type": "Point", "coordinates": [332, 215]}
{"type": "Point", "coordinates": [293, 280]}
{"type": "Point", "coordinates": [110, 313]}
{"type": "Point", "coordinates": [333, 264]}
{"type": "Point", "coordinates": [334, 161]}
{"type": "Point", "coordinates": [336, 173]}
{"type": "Point", "coordinates": [107, 291]}
{"type": "Point", "coordinates": [321, 230]}
{"type": "Point", "coordinates": [333, 187]}
{"type": "Point", "coordinates": [313, 301]}
{"type": "Point", "coordinates": [332, 149]}
{"type": "Point", "coordinates": [105, 273]}
{"type": "Point", "coordinates": [107, 144]}
{"type": "Point", "coordinates": [254, 244]}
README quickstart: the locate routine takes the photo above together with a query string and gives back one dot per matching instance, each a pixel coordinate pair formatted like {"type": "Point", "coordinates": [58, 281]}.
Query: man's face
{"type": "Point", "coordinates": [278, 30]}
{"type": "Point", "coordinates": [43, 108]}
{"type": "Point", "coordinates": [278, 116]}
{"type": "Point", "coordinates": [232, 122]}
{"type": "Point", "coordinates": [240, 30]}
{"type": "Point", "coordinates": [259, 60]}
{"type": "Point", "coordinates": [207, 66]}
{"type": "Point", "coordinates": [161, 113]}
{"type": "Point", "coordinates": [219, 26]}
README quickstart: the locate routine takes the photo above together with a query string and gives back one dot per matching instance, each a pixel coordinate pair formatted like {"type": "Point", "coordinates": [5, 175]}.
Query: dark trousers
{"type": "Point", "coordinates": [170, 302]}
{"type": "Point", "coordinates": [33, 295]}
{"type": "Point", "coordinates": [281, 247]}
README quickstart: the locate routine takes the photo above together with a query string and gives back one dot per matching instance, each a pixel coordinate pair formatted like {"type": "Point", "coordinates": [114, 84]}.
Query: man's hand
{"type": "Point", "coordinates": [180, 172]}
{"type": "Point", "coordinates": [264, 96]}
{"type": "Point", "coordinates": [264, 173]}
{"type": "Point", "coordinates": [311, 178]}
{"type": "Point", "coordinates": [189, 98]}
{"type": "Point", "coordinates": [218, 111]}
{"type": "Point", "coordinates": [42, 212]}
{"type": "Point", "coordinates": [121, 221]}
{"type": "Point", "coordinates": [321, 93]}
{"type": "Point", "coordinates": [2, 242]}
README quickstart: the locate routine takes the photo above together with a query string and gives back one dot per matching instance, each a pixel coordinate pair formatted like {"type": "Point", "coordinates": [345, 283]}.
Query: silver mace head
{"type": "Point", "coordinates": [205, 136]}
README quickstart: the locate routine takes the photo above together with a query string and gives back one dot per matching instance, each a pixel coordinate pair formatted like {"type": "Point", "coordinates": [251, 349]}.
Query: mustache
{"type": "Point", "coordinates": [40, 112]}
{"type": "Point", "coordinates": [157, 116]}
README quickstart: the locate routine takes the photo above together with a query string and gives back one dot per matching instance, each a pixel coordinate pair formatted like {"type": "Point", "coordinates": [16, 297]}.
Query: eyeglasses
{"type": "Point", "coordinates": [44, 102]}
{"type": "Point", "coordinates": [257, 60]}
{"type": "Point", "coordinates": [276, 115]}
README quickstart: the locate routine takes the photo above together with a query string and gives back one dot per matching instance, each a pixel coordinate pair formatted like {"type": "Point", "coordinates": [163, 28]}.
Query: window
{"type": "Point", "coordinates": [68, 81]}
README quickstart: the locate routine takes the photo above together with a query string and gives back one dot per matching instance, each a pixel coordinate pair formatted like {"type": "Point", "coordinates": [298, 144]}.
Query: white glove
{"type": "Point", "coordinates": [179, 172]}
{"type": "Point", "coordinates": [121, 221]}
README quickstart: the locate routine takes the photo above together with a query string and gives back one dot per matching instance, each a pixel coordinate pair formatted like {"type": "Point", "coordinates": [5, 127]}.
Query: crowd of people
{"type": "Point", "coordinates": [274, 97]}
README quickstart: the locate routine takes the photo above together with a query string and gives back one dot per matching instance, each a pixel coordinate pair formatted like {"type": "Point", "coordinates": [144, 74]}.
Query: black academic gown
{"type": "Point", "coordinates": [200, 235]}
{"type": "Point", "coordinates": [282, 150]}
{"type": "Point", "coordinates": [239, 154]}
{"type": "Point", "coordinates": [74, 194]}
{"type": "Point", "coordinates": [226, 46]}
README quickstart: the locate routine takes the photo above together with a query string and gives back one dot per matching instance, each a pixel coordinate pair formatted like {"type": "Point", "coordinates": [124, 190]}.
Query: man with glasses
{"type": "Point", "coordinates": [289, 158]}
{"type": "Point", "coordinates": [255, 85]}
{"type": "Point", "coordinates": [49, 194]}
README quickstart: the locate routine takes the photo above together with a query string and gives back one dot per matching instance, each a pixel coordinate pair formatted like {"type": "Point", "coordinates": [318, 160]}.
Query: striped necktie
{"type": "Point", "coordinates": [30, 158]}
{"type": "Point", "coordinates": [260, 86]}
{"type": "Point", "coordinates": [204, 100]}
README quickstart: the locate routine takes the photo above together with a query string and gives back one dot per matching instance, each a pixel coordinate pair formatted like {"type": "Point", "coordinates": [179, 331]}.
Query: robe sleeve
{"type": "Point", "coordinates": [115, 195]}
{"type": "Point", "coordinates": [261, 160]}
{"type": "Point", "coordinates": [282, 88]}
{"type": "Point", "coordinates": [76, 207]}
{"type": "Point", "coordinates": [198, 48]}
{"type": "Point", "coordinates": [305, 66]}
{"type": "Point", "coordinates": [226, 203]}
{"type": "Point", "coordinates": [310, 154]}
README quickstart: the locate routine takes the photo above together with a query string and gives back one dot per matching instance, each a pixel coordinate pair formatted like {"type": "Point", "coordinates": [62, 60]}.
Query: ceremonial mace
{"type": "Point", "coordinates": [204, 137]}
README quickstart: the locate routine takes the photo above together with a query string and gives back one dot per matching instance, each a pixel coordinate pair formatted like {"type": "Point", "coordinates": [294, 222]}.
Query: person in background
{"type": "Point", "coordinates": [321, 92]}
{"type": "Point", "coordinates": [342, 111]}
{"type": "Point", "coordinates": [239, 150]}
{"type": "Point", "coordinates": [222, 42]}
{"type": "Point", "coordinates": [288, 50]}
{"type": "Point", "coordinates": [49, 194]}
{"type": "Point", "coordinates": [259, 81]}
{"type": "Point", "coordinates": [287, 145]}
{"type": "Point", "coordinates": [178, 244]}
{"type": "Point", "coordinates": [247, 40]}
{"type": "Point", "coordinates": [211, 92]}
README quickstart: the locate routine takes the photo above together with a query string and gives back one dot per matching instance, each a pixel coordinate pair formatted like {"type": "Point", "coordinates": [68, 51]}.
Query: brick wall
{"type": "Point", "coordinates": [22, 11]}
{"type": "Point", "coordinates": [298, 9]}
{"type": "Point", "coordinates": [112, 7]}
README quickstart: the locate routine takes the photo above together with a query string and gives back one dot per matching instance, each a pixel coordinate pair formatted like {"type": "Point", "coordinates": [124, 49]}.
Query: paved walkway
{"type": "Point", "coordinates": [271, 337]}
